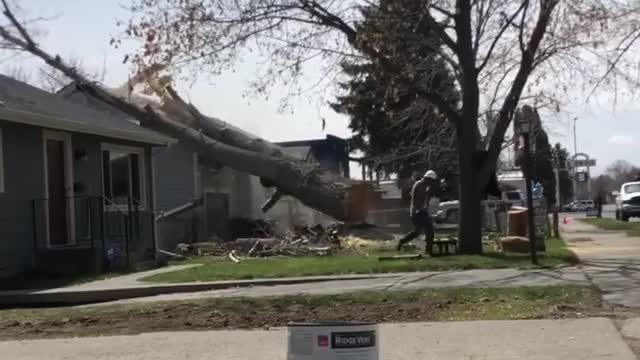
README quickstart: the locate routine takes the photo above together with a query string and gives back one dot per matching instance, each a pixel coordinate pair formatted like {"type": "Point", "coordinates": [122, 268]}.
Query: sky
{"type": "Point", "coordinates": [606, 130]}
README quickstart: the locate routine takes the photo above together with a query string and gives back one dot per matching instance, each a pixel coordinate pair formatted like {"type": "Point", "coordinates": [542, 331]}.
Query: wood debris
{"type": "Point", "coordinates": [293, 241]}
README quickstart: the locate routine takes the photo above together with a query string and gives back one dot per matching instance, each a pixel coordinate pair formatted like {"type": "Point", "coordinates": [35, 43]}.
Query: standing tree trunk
{"type": "Point", "coordinates": [470, 224]}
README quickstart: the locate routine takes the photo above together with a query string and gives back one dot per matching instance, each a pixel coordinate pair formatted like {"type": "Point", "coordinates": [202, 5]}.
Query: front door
{"type": "Point", "coordinates": [56, 148]}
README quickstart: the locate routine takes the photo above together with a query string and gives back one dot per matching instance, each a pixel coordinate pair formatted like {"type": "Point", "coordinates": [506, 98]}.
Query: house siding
{"type": "Point", "coordinates": [23, 245]}
{"type": "Point", "coordinates": [23, 174]}
{"type": "Point", "coordinates": [174, 176]}
{"type": "Point", "coordinates": [175, 185]}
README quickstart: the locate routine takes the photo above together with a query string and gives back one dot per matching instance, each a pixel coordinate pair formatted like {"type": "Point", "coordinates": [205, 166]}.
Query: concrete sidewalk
{"type": "Point", "coordinates": [585, 339]}
{"type": "Point", "coordinates": [128, 287]}
{"type": "Point", "coordinates": [609, 259]}
{"type": "Point", "coordinates": [116, 289]}
{"type": "Point", "coordinates": [487, 278]}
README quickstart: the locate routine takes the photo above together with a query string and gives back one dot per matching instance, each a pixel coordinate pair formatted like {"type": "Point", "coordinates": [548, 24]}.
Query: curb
{"type": "Point", "coordinates": [66, 297]}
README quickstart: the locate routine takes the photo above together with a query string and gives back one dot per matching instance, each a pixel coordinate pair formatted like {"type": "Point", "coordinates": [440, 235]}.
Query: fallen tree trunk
{"type": "Point", "coordinates": [292, 177]}
{"type": "Point", "coordinates": [217, 143]}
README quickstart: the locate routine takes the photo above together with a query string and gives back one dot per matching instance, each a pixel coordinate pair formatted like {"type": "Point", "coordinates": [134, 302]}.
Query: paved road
{"type": "Point", "coordinates": [608, 211]}
{"type": "Point", "coordinates": [585, 339]}
{"type": "Point", "coordinates": [610, 260]}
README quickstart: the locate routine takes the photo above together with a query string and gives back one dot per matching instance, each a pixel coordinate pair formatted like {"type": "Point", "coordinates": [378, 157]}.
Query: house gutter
{"type": "Point", "coordinates": [59, 123]}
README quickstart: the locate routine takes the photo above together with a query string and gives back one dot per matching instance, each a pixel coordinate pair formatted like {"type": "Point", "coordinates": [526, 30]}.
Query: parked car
{"type": "Point", "coordinates": [628, 202]}
{"type": "Point", "coordinates": [580, 206]}
{"type": "Point", "coordinates": [448, 212]}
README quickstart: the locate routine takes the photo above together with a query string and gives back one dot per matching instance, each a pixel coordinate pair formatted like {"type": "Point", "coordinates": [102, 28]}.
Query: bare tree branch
{"type": "Point", "coordinates": [508, 22]}
{"type": "Point", "coordinates": [526, 66]}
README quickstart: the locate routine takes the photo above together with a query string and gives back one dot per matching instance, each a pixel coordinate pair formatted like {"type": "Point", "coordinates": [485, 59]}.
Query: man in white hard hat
{"type": "Point", "coordinates": [421, 194]}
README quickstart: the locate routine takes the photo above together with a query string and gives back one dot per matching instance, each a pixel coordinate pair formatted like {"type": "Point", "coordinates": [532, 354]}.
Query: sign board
{"type": "Point", "coordinates": [332, 341]}
{"type": "Point", "coordinates": [582, 176]}
{"type": "Point", "coordinates": [582, 163]}
{"type": "Point", "coordinates": [541, 218]}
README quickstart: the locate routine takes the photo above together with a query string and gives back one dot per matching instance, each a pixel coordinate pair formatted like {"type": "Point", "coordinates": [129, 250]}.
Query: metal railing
{"type": "Point", "coordinates": [109, 235]}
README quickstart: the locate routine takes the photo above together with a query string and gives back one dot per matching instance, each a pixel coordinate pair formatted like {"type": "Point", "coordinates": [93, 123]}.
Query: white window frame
{"type": "Point", "coordinates": [1, 163]}
{"type": "Point", "coordinates": [140, 151]}
{"type": "Point", "coordinates": [68, 175]}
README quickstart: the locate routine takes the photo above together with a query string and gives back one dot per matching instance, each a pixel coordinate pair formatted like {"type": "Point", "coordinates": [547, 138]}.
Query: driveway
{"type": "Point", "coordinates": [610, 260]}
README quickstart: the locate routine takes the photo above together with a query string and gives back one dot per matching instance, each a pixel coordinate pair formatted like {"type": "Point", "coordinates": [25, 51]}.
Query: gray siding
{"type": "Point", "coordinates": [23, 175]}
{"type": "Point", "coordinates": [175, 185]}
{"type": "Point", "coordinates": [174, 176]}
{"type": "Point", "coordinates": [24, 196]}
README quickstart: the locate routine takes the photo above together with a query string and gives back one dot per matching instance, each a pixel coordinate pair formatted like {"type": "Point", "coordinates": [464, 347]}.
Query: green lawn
{"type": "Point", "coordinates": [631, 228]}
{"type": "Point", "coordinates": [276, 267]}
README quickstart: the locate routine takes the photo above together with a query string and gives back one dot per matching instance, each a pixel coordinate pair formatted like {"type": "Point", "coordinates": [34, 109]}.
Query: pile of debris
{"type": "Point", "coordinates": [294, 241]}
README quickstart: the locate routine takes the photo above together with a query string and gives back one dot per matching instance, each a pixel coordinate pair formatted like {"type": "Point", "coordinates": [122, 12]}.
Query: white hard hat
{"type": "Point", "coordinates": [431, 175]}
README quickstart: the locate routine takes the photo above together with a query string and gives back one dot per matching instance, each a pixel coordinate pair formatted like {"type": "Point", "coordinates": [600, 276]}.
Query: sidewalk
{"type": "Point", "coordinates": [609, 259]}
{"type": "Point", "coordinates": [584, 339]}
{"type": "Point", "coordinates": [395, 282]}
{"type": "Point", "coordinates": [127, 288]}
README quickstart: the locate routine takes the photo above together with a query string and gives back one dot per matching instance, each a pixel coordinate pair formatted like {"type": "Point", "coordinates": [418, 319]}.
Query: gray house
{"type": "Point", "coordinates": [76, 185]}
{"type": "Point", "coordinates": [195, 202]}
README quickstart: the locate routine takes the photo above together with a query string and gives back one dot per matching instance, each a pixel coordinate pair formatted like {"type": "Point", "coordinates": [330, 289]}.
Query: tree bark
{"type": "Point", "coordinates": [470, 222]}
{"type": "Point", "coordinates": [292, 178]}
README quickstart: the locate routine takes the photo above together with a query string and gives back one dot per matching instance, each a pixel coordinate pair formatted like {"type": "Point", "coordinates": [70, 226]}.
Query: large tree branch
{"type": "Point", "coordinates": [464, 38]}
{"type": "Point", "coordinates": [526, 66]}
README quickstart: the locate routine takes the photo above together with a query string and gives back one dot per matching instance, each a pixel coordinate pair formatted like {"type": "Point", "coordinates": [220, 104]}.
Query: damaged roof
{"type": "Point", "coordinates": [26, 104]}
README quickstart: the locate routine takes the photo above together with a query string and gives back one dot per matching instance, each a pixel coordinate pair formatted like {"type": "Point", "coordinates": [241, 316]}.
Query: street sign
{"type": "Point", "coordinates": [582, 176]}
{"type": "Point", "coordinates": [582, 163]}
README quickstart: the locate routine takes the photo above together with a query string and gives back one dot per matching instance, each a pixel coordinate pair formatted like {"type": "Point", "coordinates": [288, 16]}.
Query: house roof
{"type": "Point", "coordinates": [312, 141]}
{"type": "Point", "coordinates": [72, 93]}
{"type": "Point", "coordinates": [26, 104]}
{"type": "Point", "coordinates": [298, 152]}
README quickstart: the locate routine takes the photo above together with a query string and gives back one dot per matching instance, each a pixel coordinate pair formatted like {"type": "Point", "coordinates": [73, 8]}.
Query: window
{"type": "Point", "coordinates": [123, 175]}
{"type": "Point", "coordinates": [1, 163]}
{"type": "Point", "coordinates": [632, 188]}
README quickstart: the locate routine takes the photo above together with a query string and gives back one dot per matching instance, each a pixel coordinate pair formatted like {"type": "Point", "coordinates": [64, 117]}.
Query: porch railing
{"type": "Point", "coordinates": [99, 233]}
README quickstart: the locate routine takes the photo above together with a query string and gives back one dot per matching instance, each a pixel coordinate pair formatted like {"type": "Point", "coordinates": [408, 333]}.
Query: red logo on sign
{"type": "Point", "coordinates": [323, 340]}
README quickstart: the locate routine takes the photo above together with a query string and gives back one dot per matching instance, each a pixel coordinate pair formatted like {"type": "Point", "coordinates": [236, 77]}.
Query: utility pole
{"type": "Point", "coordinates": [530, 209]}
{"type": "Point", "coordinates": [556, 172]}
{"type": "Point", "coordinates": [556, 208]}
{"type": "Point", "coordinates": [575, 137]}
{"type": "Point", "coordinates": [575, 152]}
